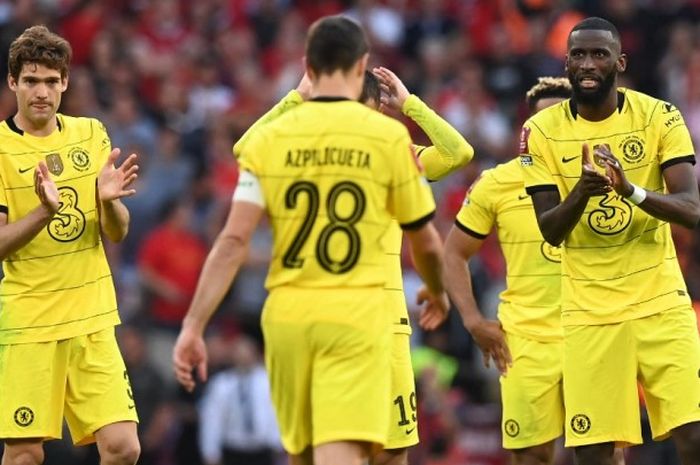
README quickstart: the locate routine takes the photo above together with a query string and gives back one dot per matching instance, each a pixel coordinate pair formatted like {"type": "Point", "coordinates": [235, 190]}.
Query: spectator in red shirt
{"type": "Point", "coordinates": [169, 263]}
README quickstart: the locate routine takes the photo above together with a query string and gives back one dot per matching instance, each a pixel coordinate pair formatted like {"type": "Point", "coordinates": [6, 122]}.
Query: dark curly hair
{"type": "Point", "coordinates": [40, 46]}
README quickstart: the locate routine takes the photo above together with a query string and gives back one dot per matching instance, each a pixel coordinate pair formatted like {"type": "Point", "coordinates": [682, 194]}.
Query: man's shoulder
{"type": "Point", "coordinates": [648, 108]}
{"type": "Point", "coordinates": [81, 124]}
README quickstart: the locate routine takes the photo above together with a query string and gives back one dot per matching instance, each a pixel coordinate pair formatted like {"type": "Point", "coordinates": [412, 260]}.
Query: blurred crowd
{"type": "Point", "coordinates": [178, 82]}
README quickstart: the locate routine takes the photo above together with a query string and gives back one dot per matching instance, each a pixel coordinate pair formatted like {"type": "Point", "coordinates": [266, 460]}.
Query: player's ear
{"type": "Point", "coordinates": [11, 83]}
{"type": "Point", "coordinates": [64, 83]}
{"type": "Point", "coordinates": [307, 68]}
{"type": "Point", "coordinates": [621, 64]}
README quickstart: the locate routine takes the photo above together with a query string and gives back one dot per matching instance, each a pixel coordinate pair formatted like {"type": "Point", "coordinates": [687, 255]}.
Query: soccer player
{"type": "Point", "coordinates": [449, 153]}
{"type": "Point", "coordinates": [332, 174]}
{"type": "Point", "coordinates": [528, 331]}
{"type": "Point", "coordinates": [608, 171]}
{"type": "Point", "coordinates": [59, 191]}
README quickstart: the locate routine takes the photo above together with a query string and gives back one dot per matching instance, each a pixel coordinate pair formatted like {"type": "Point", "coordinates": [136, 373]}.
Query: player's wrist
{"type": "Point", "coordinates": [637, 194]}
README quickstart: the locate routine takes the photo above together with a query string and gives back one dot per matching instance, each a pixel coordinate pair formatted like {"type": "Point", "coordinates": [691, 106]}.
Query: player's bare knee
{"type": "Point", "coordinates": [23, 454]}
{"type": "Point", "coordinates": [687, 440]}
{"type": "Point", "coordinates": [542, 454]}
{"type": "Point", "coordinates": [123, 451]}
{"type": "Point", "coordinates": [596, 454]}
{"type": "Point", "coordinates": [391, 457]}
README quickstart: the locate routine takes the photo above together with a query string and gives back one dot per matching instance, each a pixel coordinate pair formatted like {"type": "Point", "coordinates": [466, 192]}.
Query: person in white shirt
{"type": "Point", "coordinates": [237, 421]}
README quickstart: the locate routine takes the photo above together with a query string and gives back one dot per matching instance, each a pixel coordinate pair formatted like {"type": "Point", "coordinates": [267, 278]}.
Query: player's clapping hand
{"type": "Point", "coordinates": [45, 188]}
{"type": "Point", "coordinates": [613, 169]}
{"type": "Point", "coordinates": [435, 308]}
{"type": "Point", "coordinates": [394, 92]}
{"type": "Point", "coordinates": [114, 183]}
{"type": "Point", "coordinates": [189, 355]}
{"type": "Point", "coordinates": [491, 339]}
{"type": "Point", "coordinates": [592, 183]}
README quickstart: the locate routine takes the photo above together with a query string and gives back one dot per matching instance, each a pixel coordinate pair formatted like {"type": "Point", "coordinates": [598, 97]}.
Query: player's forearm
{"type": "Point", "coordinates": [289, 101]}
{"type": "Point", "coordinates": [556, 220]}
{"type": "Point", "coordinates": [459, 281]}
{"type": "Point", "coordinates": [427, 253]}
{"type": "Point", "coordinates": [114, 219]}
{"type": "Point", "coordinates": [452, 151]}
{"type": "Point", "coordinates": [682, 208]}
{"type": "Point", "coordinates": [220, 268]}
{"type": "Point", "coordinates": [14, 236]}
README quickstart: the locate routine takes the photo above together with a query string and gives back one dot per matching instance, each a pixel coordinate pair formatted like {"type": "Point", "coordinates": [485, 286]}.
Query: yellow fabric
{"type": "Point", "coordinates": [602, 364]}
{"type": "Point", "coordinates": [531, 393]}
{"type": "Point", "coordinates": [82, 378]}
{"type": "Point", "coordinates": [530, 304]}
{"type": "Point", "coordinates": [403, 422]}
{"type": "Point", "coordinates": [333, 175]}
{"type": "Point", "coordinates": [330, 377]}
{"type": "Point", "coordinates": [59, 285]}
{"type": "Point", "coordinates": [449, 151]}
{"type": "Point", "coordinates": [289, 101]}
{"type": "Point", "coordinates": [618, 263]}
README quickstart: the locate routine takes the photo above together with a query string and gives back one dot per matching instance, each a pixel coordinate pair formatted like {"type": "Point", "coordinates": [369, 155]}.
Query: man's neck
{"type": "Point", "coordinates": [599, 111]}
{"type": "Point", "coordinates": [38, 131]}
{"type": "Point", "coordinates": [338, 84]}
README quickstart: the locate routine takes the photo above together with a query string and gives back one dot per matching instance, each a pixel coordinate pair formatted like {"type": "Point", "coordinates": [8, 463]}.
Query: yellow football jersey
{"type": "Point", "coordinates": [530, 304]}
{"type": "Point", "coordinates": [58, 285]}
{"type": "Point", "coordinates": [333, 172]}
{"type": "Point", "coordinates": [618, 263]}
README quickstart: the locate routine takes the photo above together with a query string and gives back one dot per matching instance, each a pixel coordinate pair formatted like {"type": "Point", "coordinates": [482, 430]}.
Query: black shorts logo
{"type": "Point", "coordinates": [580, 423]}
{"type": "Point", "coordinates": [24, 416]}
{"type": "Point", "coordinates": [512, 428]}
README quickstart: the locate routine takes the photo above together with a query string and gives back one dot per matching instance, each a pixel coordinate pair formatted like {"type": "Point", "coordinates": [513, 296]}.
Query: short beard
{"type": "Point", "coordinates": [597, 97]}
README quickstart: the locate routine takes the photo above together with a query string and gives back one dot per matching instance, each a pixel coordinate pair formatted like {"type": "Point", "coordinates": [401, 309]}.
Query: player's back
{"type": "Point", "coordinates": [333, 173]}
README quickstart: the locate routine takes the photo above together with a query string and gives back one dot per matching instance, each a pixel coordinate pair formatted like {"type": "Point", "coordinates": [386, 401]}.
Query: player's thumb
{"type": "Point", "coordinates": [585, 155]}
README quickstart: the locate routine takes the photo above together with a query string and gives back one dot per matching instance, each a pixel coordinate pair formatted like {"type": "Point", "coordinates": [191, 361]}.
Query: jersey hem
{"type": "Point", "coordinates": [615, 320]}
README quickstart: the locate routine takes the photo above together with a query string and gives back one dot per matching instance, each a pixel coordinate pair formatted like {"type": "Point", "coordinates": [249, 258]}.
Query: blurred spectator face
{"type": "Point", "coordinates": [592, 63]}
{"type": "Point", "coordinates": [244, 353]}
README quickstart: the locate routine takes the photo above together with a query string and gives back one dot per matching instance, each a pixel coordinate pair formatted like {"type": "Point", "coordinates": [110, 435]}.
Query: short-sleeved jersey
{"type": "Point", "coordinates": [59, 285]}
{"type": "Point", "coordinates": [333, 173]}
{"type": "Point", "coordinates": [530, 303]}
{"type": "Point", "coordinates": [618, 262]}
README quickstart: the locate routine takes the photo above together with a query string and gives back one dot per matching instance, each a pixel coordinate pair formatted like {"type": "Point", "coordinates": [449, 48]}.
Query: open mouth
{"type": "Point", "coordinates": [589, 82]}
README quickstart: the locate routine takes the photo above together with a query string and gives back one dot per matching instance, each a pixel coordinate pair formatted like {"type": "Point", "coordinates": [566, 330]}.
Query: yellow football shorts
{"type": "Point", "coordinates": [603, 363]}
{"type": "Point", "coordinates": [531, 393]}
{"type": "Point", "coordinates": [403, 423]}
{"type": "Point", "coordinates": [82, 378]}
{"type": "Point", "coordinates": [327, 353]}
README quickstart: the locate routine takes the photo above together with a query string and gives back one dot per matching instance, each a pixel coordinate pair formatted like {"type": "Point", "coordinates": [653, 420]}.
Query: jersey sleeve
{"type": "Point", "coordinates": [410, 198]}
{"type": "Point", "coordinates": [105, 144]}
{"type": "Point", "coordinates": [675, 143]}
{"type": "Point", "coordinates": [450, 151]}
{"type": "Point", "coordinates": [537, 173]}
{"type": "Point", "coordinates": [3, 197]}
{"type": "Point", "coordinates": [477, 215]}
{"type": "Point", "coordinates": [289, 101]}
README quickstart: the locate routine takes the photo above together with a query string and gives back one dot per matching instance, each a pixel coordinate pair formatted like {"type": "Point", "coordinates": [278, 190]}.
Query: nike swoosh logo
{"type": "Point", "coordinates": [568, 159]}
{"type": "Point", "coordinates": [130, 406]}
{"type": "Point", "coordinates": [24, 170]}
{"type": "Point", "coordinates": [409, 431]}
{"type": "Point", "coordinates": [523, 197]}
